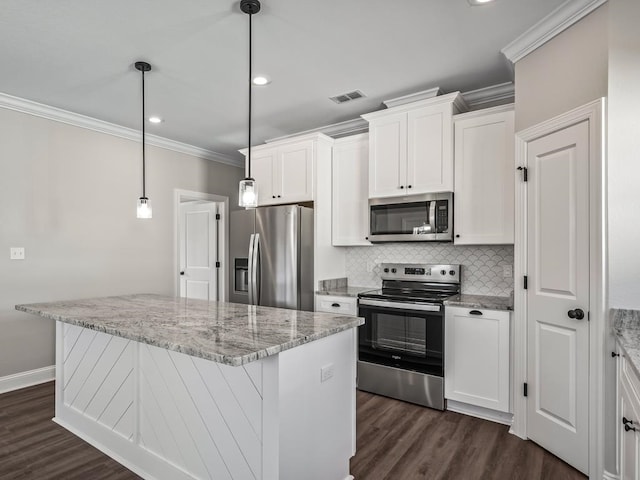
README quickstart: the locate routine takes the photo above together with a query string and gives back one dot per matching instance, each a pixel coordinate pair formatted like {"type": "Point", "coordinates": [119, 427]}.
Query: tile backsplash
{"type": "Point", "coordinates": [482, 266]}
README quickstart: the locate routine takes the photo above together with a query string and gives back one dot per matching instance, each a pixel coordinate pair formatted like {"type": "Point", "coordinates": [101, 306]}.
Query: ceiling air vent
{"type": "Point", "coordinates": [347, 97]}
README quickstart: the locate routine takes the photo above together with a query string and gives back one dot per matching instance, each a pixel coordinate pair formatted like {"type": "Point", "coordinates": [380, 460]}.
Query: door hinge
{"type": "Point", "coordinates": [526, 282]}
{"type": "Point", "coordinates": [525, 389]}
{"type": "Point", "coordinates": [588, 316]}
{"type": "Point", "coordinates": [525, 175]}
{"type": "Point", "coordinates": [217, 216]}
{"type": "Point", "coordinates": [217, 264]}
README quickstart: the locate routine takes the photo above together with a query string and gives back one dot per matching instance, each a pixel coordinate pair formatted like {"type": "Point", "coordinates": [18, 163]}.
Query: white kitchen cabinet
{"type": "Point", "coordinates": [337, 304]}
{"type": "Point", "coordinates": [350, 191]}
{"type": "Point", "coordinates": [411, 147]}
{"type": "Point", "coordinates": [629, 415]}
{"type": "Point", "coordinates": [284, 171]}
{"type": "Point", "coordinates": [484, 177]}
{"type": "Point", "coordinates": [477, 357]}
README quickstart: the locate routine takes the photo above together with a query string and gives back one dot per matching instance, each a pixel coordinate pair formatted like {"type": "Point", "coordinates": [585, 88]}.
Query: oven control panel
{"type": "Point", "coordinates": [421, 272]}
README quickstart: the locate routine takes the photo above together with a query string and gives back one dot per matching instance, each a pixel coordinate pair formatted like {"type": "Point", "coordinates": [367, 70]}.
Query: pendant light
{"type": "Point", "coordinates": [144, 205]}
{"type": "Point", "coordinates": [248, 191]}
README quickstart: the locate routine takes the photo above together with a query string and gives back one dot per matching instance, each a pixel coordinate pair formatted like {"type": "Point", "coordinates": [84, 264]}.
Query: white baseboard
{"type": "Point", "coordinates": [480, 412]}
{"type": "Point", "coordinates": [610, 476]}
{"type": "Point", "coordinates": [27, 379]}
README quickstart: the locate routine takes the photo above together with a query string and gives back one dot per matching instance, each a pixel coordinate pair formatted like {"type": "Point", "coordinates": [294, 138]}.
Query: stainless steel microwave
{"type": "Point", "coordinates": [415, 218]}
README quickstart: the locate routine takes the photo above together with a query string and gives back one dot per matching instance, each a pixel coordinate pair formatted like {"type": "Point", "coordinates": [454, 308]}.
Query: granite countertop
{"type": "Point", "coordinates": [626, 327]}
{"type": "Point", "coordinates": [480, 301]}
{"type": "Point", "coordinates": [345, 291]}
{"type": "Point", "coordinates": [229, 333]}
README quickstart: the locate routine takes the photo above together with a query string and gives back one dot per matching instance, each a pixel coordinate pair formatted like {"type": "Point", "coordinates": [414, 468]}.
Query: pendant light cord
{"type": "Point", "coordinates": [144, 195]}
{"type": "Point", "coordinates": [250, 92]}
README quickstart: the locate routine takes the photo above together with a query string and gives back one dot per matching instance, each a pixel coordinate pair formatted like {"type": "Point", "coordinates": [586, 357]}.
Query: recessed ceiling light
{"type": "Point", "coordinates": [261, 80]}
{"type": "Point", "coordinates": [473, 3]}
{"type": "Point", "coordinates": [155, 119]}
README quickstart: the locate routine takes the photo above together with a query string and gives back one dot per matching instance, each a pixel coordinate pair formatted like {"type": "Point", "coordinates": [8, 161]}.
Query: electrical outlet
{"type": "Point", "coordinates": [507, 271]}
{"type": "Point", "coordinates": [16, 253]}
{"type": "Point", "coordinates": [326, 372]}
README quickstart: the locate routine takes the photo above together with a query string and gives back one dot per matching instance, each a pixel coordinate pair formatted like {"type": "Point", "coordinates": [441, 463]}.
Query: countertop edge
{"type": "Point", "coordinates": [620, 320]}
{"type": "Point", "coordinates": [234, 361]}
{"type": "Point", "coordinates": [488, 302]}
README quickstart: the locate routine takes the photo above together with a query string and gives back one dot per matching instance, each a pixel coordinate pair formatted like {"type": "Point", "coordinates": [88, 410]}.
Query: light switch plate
{"type": "Point", "coordinates": [326, 372]}
{"type": "Point", "coordinates": [16, 253]}
{"type": "Point", "coordinates": [507, 271]}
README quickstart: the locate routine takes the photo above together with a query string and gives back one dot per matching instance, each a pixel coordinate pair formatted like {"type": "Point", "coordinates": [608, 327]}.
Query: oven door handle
{"type": "Point", "coordinates": [401, 305]}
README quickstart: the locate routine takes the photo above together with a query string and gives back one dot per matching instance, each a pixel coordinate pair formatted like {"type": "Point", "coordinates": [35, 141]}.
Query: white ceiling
{"type": "Point", "coordinates": [78, 55]}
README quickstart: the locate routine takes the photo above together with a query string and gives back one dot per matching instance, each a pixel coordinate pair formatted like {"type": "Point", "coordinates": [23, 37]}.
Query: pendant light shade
{"type": "Point", "coordinates": [144, 205]}
{"type": "Point", "coordinates": [248, 190]}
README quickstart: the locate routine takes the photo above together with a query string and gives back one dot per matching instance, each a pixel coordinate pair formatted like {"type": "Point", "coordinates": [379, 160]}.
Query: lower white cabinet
{"type": "Point", "coordinates": [477, 357]}
{"type": "Point", "coordinates": [628, 421]}
{"type": "Point", "coordinates": [337, 304]}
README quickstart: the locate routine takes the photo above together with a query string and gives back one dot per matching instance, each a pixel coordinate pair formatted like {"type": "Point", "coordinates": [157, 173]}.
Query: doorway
{"type": "Point", "coordinates": [201, 255]}
{"type": "Point", "coordinates": [559, 292]}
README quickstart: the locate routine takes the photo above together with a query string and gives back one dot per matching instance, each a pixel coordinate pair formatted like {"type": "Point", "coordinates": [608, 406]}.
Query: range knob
{"type": "Point", "coordinates": [393, 270]}
{"type": "Point", "coordinates": [443, 272]}
{"type": "Point", "coordinates": [386, 270]}
{"type": "Point", "coordinates": [452, 272]}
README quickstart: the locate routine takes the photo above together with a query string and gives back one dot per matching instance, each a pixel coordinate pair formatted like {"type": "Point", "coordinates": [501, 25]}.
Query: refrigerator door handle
{"type": "Point", "coordinates": [252, 270]}
{"type": "Point", "coordinates": [256, 269]}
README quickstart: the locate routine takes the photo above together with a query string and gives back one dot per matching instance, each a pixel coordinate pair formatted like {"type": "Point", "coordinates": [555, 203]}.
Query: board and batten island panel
{"type": "Point", "coordinates": [175, 388]}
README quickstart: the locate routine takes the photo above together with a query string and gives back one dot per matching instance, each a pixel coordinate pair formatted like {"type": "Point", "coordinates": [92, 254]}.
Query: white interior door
{"type": "Point", "coordinates": [558, 285]}
{"type": "Point", "coordinates": [198, 250]}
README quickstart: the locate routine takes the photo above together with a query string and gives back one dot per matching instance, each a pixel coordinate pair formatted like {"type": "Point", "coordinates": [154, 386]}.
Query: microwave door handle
{"type": "Point", "coordinates": [432, 216]}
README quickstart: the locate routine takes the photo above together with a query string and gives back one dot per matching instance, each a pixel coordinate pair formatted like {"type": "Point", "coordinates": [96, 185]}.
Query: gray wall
{"type": "Point", "coordinates": [566, 72]}
{"type": "Point", "coordinates": [624, 154]}
{"type": "Point", "coordinates": [68, 195]}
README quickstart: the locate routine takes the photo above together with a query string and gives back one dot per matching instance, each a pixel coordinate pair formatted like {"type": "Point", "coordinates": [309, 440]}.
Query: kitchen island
{"type": "Point", "coordinates": [175, 388]}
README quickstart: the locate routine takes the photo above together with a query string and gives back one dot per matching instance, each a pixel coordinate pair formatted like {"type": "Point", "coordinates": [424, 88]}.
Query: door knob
{"type": "Point", "coordinates": [578, 314]}
{"type": "Point", "coordinates": [181, 273]}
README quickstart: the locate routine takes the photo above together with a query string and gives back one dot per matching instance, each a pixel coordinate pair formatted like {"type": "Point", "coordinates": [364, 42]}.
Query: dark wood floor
{"type": "Point", "coordinates": [396, 440]}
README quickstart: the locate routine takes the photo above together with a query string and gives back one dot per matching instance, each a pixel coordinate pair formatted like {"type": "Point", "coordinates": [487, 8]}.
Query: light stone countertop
{"type": "Point", "coordinates": [345, 291]}
{"type": "Point", "coordinates": [626, 327]}
{"type": "Point", "coordinates": [229, 333]}
{"type": "Point", "coordinates": [480, 301]}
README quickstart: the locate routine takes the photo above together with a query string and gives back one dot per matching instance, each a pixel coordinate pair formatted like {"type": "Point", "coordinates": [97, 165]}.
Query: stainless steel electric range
{"type": "Point", "coordinates": [401, 344]}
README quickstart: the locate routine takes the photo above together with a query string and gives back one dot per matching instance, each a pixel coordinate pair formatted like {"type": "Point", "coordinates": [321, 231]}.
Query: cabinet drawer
{"type": "Point", "coordinates": [335, 304]}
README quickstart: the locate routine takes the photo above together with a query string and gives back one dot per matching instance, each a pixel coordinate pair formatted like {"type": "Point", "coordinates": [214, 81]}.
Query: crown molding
{"type": "Point", "coordinates": [29, 107]}
{"type": "Point", "coordinates": [413, 97]}
{"type": "Point", "coordinates": [335, 130]}
{"type": "Point", "coordinates": [553, 24]}
{"type": "Point", "coordinates": [503, 92]}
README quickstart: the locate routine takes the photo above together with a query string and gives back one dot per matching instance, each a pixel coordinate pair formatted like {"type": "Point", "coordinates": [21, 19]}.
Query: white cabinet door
{"type": "Point", "coordinates": [430, 150]}
{"type": "Point", "coordinates": [629, 437]}
{"type": "Point", "coordinates": [350, 189]}
{"type": "Point", "coordinates": [284, 173]}
{"type": "Point", "coordinates": [477, 357]}
{"type": "Point", "coordinates": [388, 156]}
{"type": "Point", "coordinates": [484, 177]}
{"type": "Point", "coordinates": [262, 165]}
{"type": "Point", "coordinates": [294, 173]}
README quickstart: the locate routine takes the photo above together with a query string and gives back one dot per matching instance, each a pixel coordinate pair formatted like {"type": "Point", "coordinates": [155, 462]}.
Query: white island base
{"type": "Point", "coordinates": [168, 415]}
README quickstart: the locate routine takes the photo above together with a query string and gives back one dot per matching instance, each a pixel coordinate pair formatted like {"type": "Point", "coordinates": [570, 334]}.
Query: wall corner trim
{"type": "Point", "coordinates": [556, 22]}
{"type": "Point", "coordinates": [29, 107]}
{"type": "Point", "coordinates": [29, 378]}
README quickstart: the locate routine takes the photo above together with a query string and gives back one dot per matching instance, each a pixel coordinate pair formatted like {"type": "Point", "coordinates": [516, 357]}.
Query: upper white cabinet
{"type": "Point", "coordinates": [477, 357]}
{"type": "Point", "coordinates": [350, 182]}
{"type": "Point", "coordinates": [411, 147]}
{"type": "Point", "coordinates": [484, 177]}
{"type": "Point", "coordinates": [284, 171]}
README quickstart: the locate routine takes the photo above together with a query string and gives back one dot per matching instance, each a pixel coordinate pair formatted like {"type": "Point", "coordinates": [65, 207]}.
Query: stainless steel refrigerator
{"type": "Point", "coordinates": [271, 250]}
